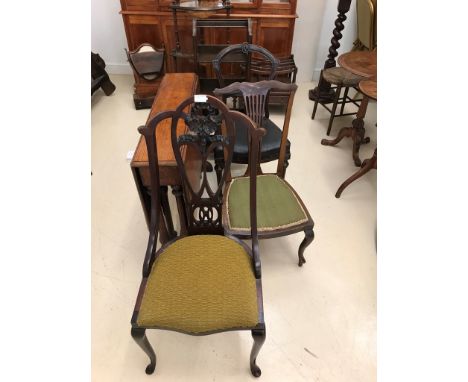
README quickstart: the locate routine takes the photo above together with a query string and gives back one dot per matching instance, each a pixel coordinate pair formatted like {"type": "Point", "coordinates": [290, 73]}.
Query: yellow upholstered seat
{"type": "Point", "coordinates": [201, 284]}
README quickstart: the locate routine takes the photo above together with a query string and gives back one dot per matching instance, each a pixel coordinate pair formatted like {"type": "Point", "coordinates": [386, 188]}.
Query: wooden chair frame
{"type": "Point", "coordinates": [256, 111]}
{"type": "Point", "coordinates": [204, 135]}
{"type": "Point", "coordinates": [247, 50]}
{"type": "Point", "coordinates": [260, 62]}
{"type": "Point", "coordinates": [255, 96]}
{"type": "Point", "coordinates": [285, 72]}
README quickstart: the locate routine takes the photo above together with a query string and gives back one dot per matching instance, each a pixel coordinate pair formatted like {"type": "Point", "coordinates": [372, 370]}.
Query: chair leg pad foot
{"type": "Point", "coordinates": [150, 369]}
{"type": "Point", "coordinates": [256, 372]}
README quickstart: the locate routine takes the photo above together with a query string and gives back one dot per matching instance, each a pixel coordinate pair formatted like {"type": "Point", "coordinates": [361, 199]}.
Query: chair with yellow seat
{"type": "Point", "coordinates": [203, 282]}
{"type": "Point", "coordinates": [280, 210]}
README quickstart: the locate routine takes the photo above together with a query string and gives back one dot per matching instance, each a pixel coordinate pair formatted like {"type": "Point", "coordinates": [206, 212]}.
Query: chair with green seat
{"type": "Point", "coordinates": [280, 210]}
{"type": "Point", "coordinates": [204, 282]}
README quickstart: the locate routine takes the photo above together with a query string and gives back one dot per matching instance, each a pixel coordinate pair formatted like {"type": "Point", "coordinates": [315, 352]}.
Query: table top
{"type": "Point", "coordinates": [362, 63]}
{"type": "Point", "coordinates": [369, 88]}
{"type": "Point", "coordinates": [174, 88]}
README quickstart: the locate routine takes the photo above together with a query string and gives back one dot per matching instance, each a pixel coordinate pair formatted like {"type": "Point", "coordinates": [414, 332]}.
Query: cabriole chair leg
{"type": "Point", "coordinates": [309, 237]}
{"type": "Point", "coordinates": [259, 338]}
{"type": "Point", "coordinates": [138, 334]}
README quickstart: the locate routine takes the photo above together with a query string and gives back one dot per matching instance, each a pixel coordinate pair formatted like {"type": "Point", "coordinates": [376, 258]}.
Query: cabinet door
{"type": "Point", "coordinates": [184, 64]}
{"type": "Point", "coordinates": [141, 29]}
{"type": "Point", "coordinates": [230, 35]}
{"type": "Point", "coordinates": [276, 35]}
{"type": "Point", "coordinates": [220, 38]}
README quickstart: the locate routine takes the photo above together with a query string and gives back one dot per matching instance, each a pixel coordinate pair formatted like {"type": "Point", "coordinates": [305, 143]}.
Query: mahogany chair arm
{"type": "Point", "coordinates": [148, 133]}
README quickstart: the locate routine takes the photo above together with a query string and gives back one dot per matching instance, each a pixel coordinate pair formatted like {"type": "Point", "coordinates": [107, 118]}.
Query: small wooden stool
{"type": "Point", "coordinates": [369, 89]}
{"type": "Point", "coordinates": [340, 78]}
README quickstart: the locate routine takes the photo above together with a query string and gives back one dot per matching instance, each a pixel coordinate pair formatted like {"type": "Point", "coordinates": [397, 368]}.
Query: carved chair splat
{"type": "Point", "coordinates": [204, 281]}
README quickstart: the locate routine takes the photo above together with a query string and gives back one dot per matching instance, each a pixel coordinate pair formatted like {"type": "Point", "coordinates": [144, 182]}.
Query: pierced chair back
{"type": "Point", "coordinates": [269, 62]}
{"type": "Point", "coordinates": [200, 284]}
{"type": "Point", "coordinates": [209, 129]}
{"type": "Point", "coordinates": [255, 96]}
{"type": "Point", "coordinates": [210, 126]}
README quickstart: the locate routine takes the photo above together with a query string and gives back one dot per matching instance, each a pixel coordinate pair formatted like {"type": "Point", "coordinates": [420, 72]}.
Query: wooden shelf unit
{"type": "Point", "coordinates": [152, 21]}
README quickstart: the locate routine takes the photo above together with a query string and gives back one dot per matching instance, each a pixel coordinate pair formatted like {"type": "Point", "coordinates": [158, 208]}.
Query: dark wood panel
{"type": "Point", "coordinates": [143, 29]}
{"type": "Point", "coordinates": [276, 36]}
{"type": "Point", "coordinates": [253, 5]}
{"type": "Point", "coordinates": [151, 21]}
{"type": "Point", "coordinates": [186, 42]}
{"type": "Point", "coordinates": [223, 37]}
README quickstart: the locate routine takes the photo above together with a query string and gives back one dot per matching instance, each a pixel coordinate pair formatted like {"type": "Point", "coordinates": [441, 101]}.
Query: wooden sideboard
{"type": "Point", "coordinates": [151, 21]}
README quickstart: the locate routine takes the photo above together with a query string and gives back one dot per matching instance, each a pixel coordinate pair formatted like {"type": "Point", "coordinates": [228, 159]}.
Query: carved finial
{"type": "Point", "coordinates": [245, 48]}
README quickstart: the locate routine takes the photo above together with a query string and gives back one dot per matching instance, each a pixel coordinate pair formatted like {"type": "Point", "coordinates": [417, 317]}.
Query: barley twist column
{"type": "Point", "coordinates": [322, 92]}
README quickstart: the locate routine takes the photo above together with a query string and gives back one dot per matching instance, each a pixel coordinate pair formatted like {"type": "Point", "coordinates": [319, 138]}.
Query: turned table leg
{"type": "Point", "coordinates": [356, 132]}
{"type": "Point", "coordinates": [367, 165]}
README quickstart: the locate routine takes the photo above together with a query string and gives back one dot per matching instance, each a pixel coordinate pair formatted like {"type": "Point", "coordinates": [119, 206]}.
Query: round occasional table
{"type": "Point", "coordinates": [362, 63]}
{"type": "Point", "coordinates": [369, 89]}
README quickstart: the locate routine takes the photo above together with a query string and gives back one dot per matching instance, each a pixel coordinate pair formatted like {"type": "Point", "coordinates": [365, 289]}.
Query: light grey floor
{"type": "Point", "coordinates": [321, 318]}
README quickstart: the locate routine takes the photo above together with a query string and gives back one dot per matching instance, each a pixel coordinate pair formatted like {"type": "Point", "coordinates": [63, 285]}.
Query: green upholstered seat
{"type": "Point", "coordinates": [277, 205]}
{"type": "Point", "coordinates": [201, 284]}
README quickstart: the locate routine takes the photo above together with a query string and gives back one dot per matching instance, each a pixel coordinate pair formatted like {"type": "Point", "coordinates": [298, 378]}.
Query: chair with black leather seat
{"type": "Point", "coordinates": [204, 282]}
{"type": "Point", "coordinates": [275, 144]}
{"type": "Point", "coordinates": [243, 62]}
{"type": "Point", "coordinates": [280, 210]}
{"type": "Point", "coordinates": [265, 64]}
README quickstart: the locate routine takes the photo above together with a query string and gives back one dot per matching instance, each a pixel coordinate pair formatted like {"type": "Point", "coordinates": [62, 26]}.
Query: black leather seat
{"type": "Point", "coordinates": [265, 66]}
{"type": "Point", "coordinates": [270, 143]}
